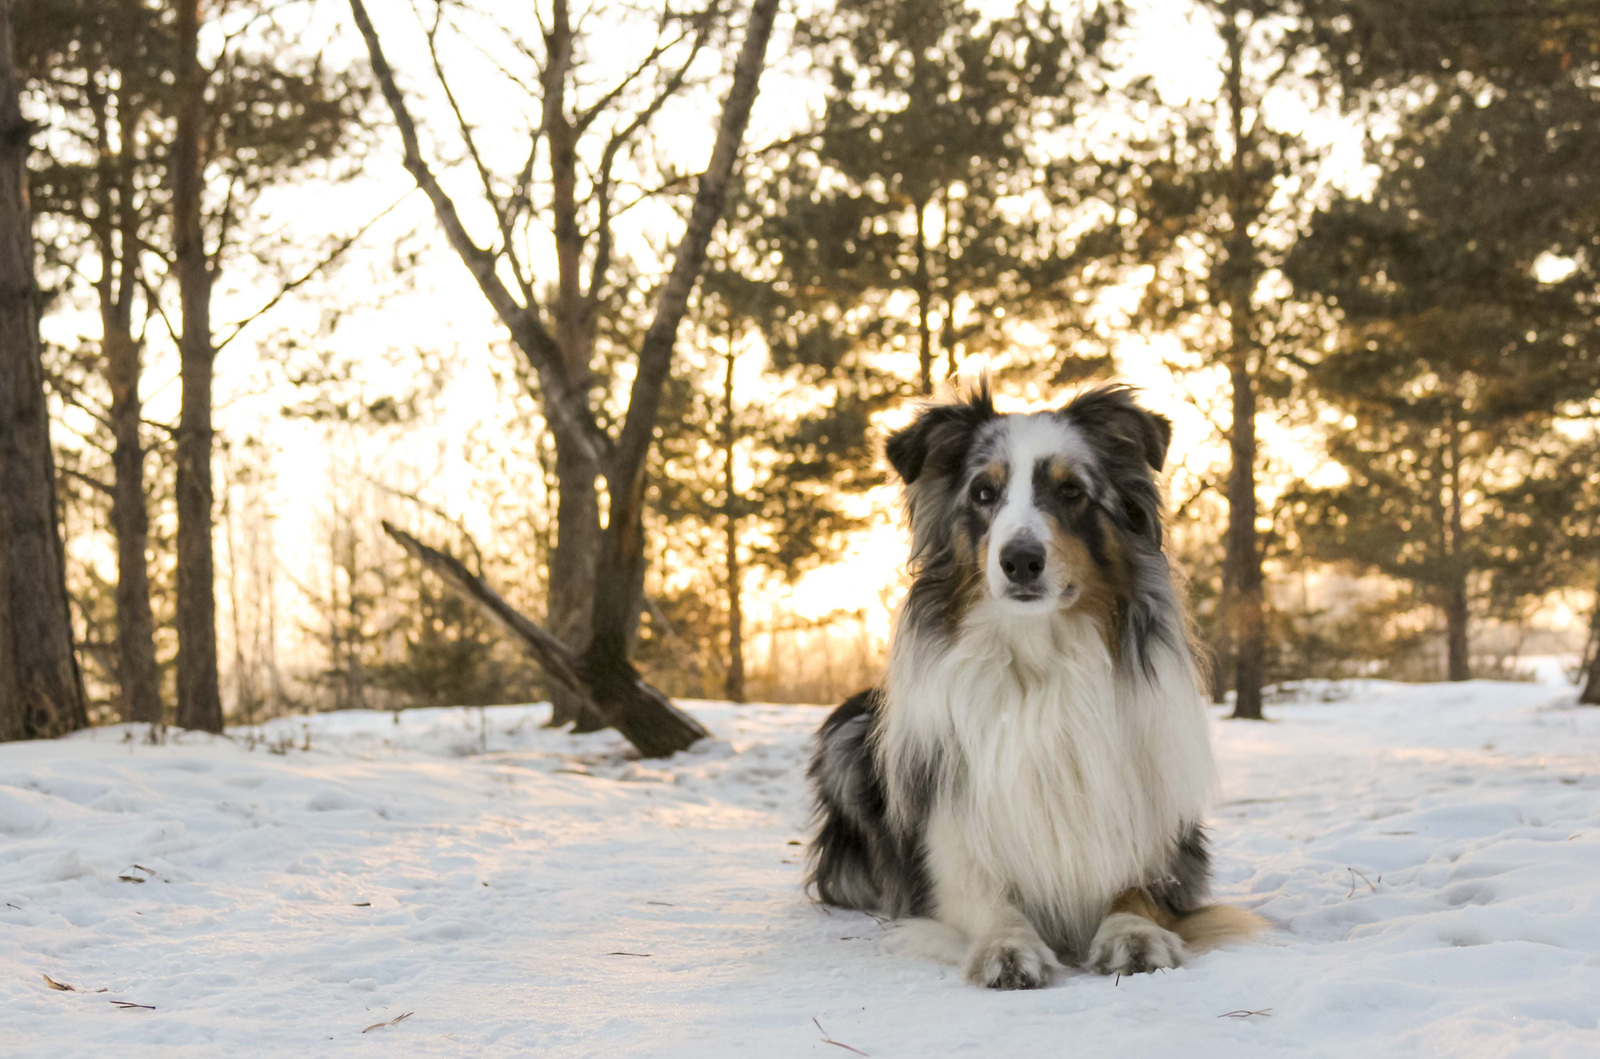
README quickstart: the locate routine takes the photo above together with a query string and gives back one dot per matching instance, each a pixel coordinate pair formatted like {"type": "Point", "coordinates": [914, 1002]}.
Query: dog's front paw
{"type": "Point", "coordinates": [1130, 944]}
{"type": "Point", "coordinates": [1011, 962]}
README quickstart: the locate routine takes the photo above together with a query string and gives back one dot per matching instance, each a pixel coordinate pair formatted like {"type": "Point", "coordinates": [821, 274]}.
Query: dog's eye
{"type": "Point", "coordinates": [984, 494]}
{"type": "Point", "coordinates": [1071, 490]}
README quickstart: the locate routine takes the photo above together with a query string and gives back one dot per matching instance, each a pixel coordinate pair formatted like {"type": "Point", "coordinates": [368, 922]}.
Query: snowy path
{"type": "Point", "coordinates": [295, 898]}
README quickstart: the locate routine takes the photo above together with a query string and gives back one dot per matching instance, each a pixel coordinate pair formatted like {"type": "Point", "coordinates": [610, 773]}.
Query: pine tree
{"type": "Point", "coordinates": [945, 168]}
{"type": "Point", "coordinates": [1464, 285]}
{"type": "Point", "coordinates": [1216, 195]}
{"type": "Point", "coordinates": [1456, 353]}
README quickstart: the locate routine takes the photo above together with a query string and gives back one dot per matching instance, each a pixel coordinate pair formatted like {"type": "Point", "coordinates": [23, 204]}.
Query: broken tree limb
{"type": "Point", "coordinates": [644, 716]}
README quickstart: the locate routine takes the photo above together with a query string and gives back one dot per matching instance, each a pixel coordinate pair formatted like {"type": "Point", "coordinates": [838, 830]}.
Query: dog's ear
{"type": "Point", "coordinates": [939, 436]}
{"type": "Point", "coordinates": [1112, 416]}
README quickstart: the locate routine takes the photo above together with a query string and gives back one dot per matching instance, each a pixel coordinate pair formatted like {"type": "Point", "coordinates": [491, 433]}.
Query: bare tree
{"type": "Point", "coordinates": [41, 693]}
{"type": "Point", "coordinates": [612, 565]}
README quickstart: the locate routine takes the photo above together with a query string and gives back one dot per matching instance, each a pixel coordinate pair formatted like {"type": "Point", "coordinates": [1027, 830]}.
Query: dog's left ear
{"type": "Point", "coordinates": [1111, 414]}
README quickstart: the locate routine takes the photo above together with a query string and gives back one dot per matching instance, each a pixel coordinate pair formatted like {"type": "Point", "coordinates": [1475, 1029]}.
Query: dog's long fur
{"type": "Point", "coordinates": [1034, 770]}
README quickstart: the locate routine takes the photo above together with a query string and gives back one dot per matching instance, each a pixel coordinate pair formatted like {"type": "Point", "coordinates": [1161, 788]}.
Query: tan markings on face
{"type": "Point", "coordinates": [1058, 470]}
{"type": "Point", "coordinates": [972, 556]}
{"type": "Point", "coordinates": [1096, 594]}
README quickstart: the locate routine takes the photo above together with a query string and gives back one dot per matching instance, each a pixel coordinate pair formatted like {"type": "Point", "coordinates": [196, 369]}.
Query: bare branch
{"type": "Point", "coordinates": [501, 211]}
{"type": "Point", "coordinates": [619, 139]}
{"type": "Point", "coordinates": [88, 480]}
{"type": "Point", "coordinates": [305, 277]}
{"type": "Point", "coordinates": [565, 401]}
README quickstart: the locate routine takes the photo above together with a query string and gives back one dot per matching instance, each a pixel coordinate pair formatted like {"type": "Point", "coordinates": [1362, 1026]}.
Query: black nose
{"type": "Point", "coordinates": [1022, 561]}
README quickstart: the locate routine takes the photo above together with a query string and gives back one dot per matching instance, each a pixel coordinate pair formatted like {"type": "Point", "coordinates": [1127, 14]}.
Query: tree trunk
{"type": "Point", "coordinates": [116, 231]}
{"type": "Point", "coordinates": [137, 672]}
{"type": "Point", "coordinates": [924, 302]}
{"type": "Point", "coordinates": [1246, 624]}
{"type": "Point", "coordinates": [570, 598]}
{"type": "Point", "coordinates": [1590, 695]}
{"type": "Point", "coordinates": [1457, 615]}
{"type": "Point", "coordinates": [1247, 630]}
{"type": "Point", "coordinates": [1456, 622]}
{"type": "Point", "coordinates": [734, 685]}
{"type": "Point", "coordinates": [605, 662]}
{"type": "Point", "coordinates": [570, 584]}
{"type": "Point", "coordinates": [41, 691]}
{"type": "Point", "coordinates": [199, 695]}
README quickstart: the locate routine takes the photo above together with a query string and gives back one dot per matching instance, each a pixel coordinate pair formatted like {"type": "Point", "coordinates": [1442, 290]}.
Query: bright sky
{"type": "Point", "coordinates": [387, 324]}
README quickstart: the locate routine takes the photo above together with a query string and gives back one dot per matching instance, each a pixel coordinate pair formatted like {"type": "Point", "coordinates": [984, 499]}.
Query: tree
{"type": "Point", "coordinates": [1454, 354]}
{"type": "Point", "coordinates": [604, 669]}
{"type": "Point", "coordinates": [100, 66]}
{"type": "Point", "coordinates": [1217, 197]}
{"type": "Point", "coordinates": [258, 112]}
{"type": "Point", "coordinates": [945, 167]}
{"type": "Point", "coordinates": [41, 693]}
{"type": "Point", "coordinates": [1465, 285]}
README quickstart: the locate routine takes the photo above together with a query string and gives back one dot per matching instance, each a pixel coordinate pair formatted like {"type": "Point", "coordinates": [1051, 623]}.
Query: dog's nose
{"type": "Point", "coordinates": [1022, 561]}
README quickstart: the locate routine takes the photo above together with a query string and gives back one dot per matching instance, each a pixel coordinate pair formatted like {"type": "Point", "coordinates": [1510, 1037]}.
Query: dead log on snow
{"type": "Point", "coordinates": [644, 716]}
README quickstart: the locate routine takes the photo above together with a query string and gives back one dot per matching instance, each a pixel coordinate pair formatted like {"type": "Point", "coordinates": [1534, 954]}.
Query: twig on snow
{"type": "Point", "coordinates": [829, 1040]}
{"type": "Point", "coordinates": [630, 954]}
{"type": "Point", "coordinates": [394, 1021]}
{"type": "Point", "coordinates": [1370, 885]}
{"type": "Point", "coordinates": [1265, 1013]}
{"type": "Point", "coordinates": [62, 986]}
{"type": "Point", "coordinates": [128, 1005]}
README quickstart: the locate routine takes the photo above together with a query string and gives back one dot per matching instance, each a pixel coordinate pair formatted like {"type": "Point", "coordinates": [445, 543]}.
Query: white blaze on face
{"type": "Point", "coordinates": [1028, 441]}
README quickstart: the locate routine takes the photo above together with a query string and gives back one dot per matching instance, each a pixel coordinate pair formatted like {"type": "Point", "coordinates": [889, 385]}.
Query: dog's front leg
{"type": "Point", "coordinates": [1135, 937]}
{"type": "Point", "coordinates": [1005, 951]}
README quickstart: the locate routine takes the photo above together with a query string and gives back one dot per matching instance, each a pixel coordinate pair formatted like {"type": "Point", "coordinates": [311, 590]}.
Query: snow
{"type": "Point", "coordinates": [1429, 854]}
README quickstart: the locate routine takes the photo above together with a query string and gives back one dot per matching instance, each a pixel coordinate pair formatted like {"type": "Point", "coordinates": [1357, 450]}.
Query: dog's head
{"type": "Point", "coordinates": [1034, 513]}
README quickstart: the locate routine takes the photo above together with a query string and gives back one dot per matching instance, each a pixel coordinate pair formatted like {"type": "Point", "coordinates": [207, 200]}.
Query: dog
{"type": "Point", "coordinates": [1029, 781]}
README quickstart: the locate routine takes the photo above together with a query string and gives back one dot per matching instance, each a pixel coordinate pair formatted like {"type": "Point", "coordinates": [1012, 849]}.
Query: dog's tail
{"type": "Point", "coordinates": [1209, 926]}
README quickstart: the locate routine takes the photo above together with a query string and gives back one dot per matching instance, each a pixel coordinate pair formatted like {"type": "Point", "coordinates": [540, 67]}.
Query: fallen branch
{"type": "Point", "coordinates": [644, 716]}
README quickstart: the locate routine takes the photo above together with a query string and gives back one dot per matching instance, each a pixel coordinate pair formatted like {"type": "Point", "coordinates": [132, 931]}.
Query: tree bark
{"type": "Point", "coordinates": [137, 673]}
{"type": "Point", "coordinates": [577, 544]}
{"type": "Point", "coordinates": [41, 690]}
{"type": "Point", "coordinates": [642, 714]}
{"type": "Point", "coordinates": [573, 560]}
{"type": "Point", "coordinates": [199, 694]}
{"type": "Point", "coordinates": [733, 686]}
{"type": "Point", "coordinates": [622, 551]}
{"type": "Point", "coordinates": [1246, 623]}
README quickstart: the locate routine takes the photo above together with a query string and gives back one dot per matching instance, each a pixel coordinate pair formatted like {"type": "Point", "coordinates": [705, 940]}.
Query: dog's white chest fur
{"type": "Point", "coordinates": [1064, 781]}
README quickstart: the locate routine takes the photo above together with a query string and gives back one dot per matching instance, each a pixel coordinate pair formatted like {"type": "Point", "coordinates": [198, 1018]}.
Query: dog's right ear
{"type": "Point", "coordinates": [939, 436]}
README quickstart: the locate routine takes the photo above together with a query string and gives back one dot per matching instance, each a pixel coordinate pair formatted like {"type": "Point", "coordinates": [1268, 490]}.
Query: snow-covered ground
{"type": "Point", "coordinates": [1430, 854]}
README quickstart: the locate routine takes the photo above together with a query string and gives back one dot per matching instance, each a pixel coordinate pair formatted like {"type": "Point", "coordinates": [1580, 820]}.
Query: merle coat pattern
{"type": "Point", "coordinates": [1030, 779]}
